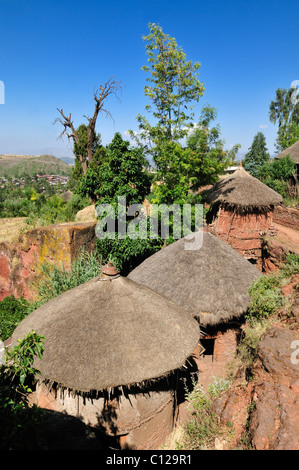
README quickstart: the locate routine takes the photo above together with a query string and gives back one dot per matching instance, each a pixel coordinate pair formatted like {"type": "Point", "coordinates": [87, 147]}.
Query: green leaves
{"type": "Point", "coordinates": [19, 420]}
{"type": "Point", "coordinates": [285, 112]}
{"type": "Point", "coordinates": [173, 85]}
{"type": "Point", "coordinates": [257, 155]}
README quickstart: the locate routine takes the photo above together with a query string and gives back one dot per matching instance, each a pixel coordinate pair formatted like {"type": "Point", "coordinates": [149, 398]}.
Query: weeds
{"type": "Point", "coordinates": [204, 425]}
{"type": "Point", "coordinates": [56, 280]}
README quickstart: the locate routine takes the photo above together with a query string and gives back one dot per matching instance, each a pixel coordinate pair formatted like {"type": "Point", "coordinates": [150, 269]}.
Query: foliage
{"type": "Point", "coordinates": [291, 266]}
{"type": "Point", "coordinates": [12, 312]}
{"type": "Point", "coordinates": [209, 159]}
{"type": "Point", "coordinates": [123, 174]}
{"type": "Point", "coordinates": [265, 292]}
{"type": "Point", "coordinates": [285, 112]}
{"type": "Point", "coordinates": [257, 155]}
{"type": "Point", "coordinates": [181, 170]}
{"type": "Point", "coordinates": [204, 424]}
{"type": "Point", "coordinates": [55, 280]}
{"type": "Point", "coordinates": [276, 174]}
{"type": "Point", "coordinates": [19, 421]}
{"type": "Point", "coordinates": [80, 151]}
{"type": "Point", "coordinates": [127, 253]}
{"type": "Point", "coordinates": [85, 138]}
{"type": "Point", "coordinates": [39, 203]}
{"type": "Point", "coordinates": [265, 296]}
{"type": "Point", "coordinates": [173, 87]}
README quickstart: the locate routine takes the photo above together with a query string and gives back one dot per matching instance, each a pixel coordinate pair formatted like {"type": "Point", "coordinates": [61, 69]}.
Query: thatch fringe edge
{"type": "Point", "coordinates": [112, 391]}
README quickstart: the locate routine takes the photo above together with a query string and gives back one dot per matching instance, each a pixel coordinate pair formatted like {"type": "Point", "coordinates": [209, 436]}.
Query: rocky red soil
{"type": "Point", "coordinates": [264, 411]}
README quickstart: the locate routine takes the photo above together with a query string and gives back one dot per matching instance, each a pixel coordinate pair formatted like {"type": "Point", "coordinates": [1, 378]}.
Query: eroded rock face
{"type": "Point", "coordinates": [275, 419]}
{"type": "Point", "coordinates": [59, 244]}
{"type": "Point", "coordinates": [266, 409]}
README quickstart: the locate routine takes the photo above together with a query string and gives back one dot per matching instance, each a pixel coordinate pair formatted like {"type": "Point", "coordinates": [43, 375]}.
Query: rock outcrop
{"type": "Point", "coordinates": [59, 244]}
{"type": "Point", "coordinates": [264, 412]}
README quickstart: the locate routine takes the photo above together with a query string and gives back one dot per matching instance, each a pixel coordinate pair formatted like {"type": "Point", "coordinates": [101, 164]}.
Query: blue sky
{"type": "Point", "coordinates": [54, 54]}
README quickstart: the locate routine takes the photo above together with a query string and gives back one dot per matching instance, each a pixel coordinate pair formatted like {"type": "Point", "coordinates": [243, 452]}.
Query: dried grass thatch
{"type": "Point", "coordinates": [106, 334]}
{"type": "Point", "coordinates": [242, 192]}
{"type": "Point", "coordinates": [210, 283]}
{"type": "Point", "coordinates": [292, 151]}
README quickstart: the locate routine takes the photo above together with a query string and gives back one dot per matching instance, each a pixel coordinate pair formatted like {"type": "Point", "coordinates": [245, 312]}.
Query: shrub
{"type": "Point", "coordinates": [55, 280]}
{"type": "Point", "coordinates": [204, 425]}
{"type": "Point", "coordinates": [12, 311]}
{"type": "Point", "coordinates": [266, 296]}
{"type": "Point", "coordinates": [20, 421]}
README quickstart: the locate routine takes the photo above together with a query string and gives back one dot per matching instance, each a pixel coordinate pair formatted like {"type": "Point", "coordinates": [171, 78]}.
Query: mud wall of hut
{"type": "Point", "coordinates": [243, 232]}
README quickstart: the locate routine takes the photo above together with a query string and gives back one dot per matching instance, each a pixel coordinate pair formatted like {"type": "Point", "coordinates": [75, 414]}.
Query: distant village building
{"type": "Point", "coordinates": [241, 211]}
{"type": "Point", "coordinates": [211, 283]}
{"type": "Point", "coordinates": [113, 356]}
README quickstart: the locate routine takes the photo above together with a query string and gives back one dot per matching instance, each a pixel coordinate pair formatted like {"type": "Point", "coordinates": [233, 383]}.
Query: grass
{"type": "Point", "coordinates": [10, 228]}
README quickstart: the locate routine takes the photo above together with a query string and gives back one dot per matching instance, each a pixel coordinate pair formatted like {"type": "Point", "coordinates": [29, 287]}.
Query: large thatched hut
{"type": "Point", "coordinates": [113, 352]}
{"type": "Point", "coordinates": [241, 211]}
{"type": "Point", "coordinates": [211, 283]}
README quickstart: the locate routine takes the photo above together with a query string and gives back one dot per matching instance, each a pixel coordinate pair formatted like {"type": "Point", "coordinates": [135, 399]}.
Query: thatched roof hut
{"type": "Point", "coordinates": [109, 333]}
{"type": "Point", "coordinates": [243, 193]}
{"type": "Point", "coordinates": [210, 283]}
{"type": "Point", "coordinates": [67, 196]}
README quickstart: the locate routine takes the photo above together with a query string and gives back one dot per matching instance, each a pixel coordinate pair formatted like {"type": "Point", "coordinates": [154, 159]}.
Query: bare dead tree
{"type": "Point", "coordinates": [111, 87]}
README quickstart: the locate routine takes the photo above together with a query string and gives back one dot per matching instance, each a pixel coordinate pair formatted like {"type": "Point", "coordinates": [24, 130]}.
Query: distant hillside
{"type": "Point", "coordinates": [68, 160]}
{"type": "Point", "coordinates": [16, 165]}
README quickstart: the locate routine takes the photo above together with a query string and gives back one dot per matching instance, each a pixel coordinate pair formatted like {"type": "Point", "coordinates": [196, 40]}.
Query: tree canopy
{"type": "Point", "coordinates": [173, 86]}
{"type": "Point", "coordinates": [257, 154]}
{"type": "Point", "coordinates": [284, 111]}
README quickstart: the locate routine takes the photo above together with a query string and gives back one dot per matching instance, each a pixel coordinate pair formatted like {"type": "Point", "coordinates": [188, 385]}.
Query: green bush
{"type": "Point", "coordinates": [266, 296]}
{"type": "Point", "coordinates": [20, 421]}
{"type": "Point", "coordinates": [12, 312]}
{"type": "Point", "coordinates": [265, 292]}
{"type": "Point", "coordinates": [126, 253]}
{"type": "Point", "coordinates": [291, 266]}
{"type": "Point", "coordinates": [204, 425]}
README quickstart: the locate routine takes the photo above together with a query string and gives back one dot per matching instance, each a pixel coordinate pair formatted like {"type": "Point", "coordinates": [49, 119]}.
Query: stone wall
{"type": "Point", "coordinates": [287, 217]}
{"type": "Point", "coordinates": [59, 244]}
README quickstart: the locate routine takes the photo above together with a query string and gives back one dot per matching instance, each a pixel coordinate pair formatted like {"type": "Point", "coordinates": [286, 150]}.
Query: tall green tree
{"type": "Point", "coordinates": [284, 111]}
{"type": "Point", "coordinates": [183, 169]}
{"type": "Point", "coordinates": [276, 173]}
{"type": "Point", "coordinates": [125, 174]}
{"type": "Point", "coordinates": [257, 155]}
{"type": "Point", "coordinates": [208, 157]}
{"type": "Point", "coordinates": [173, 87]}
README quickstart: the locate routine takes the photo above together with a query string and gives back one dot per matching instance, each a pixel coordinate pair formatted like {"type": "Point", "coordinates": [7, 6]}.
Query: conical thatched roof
{"type": "Point", "coordinates": [109, 333]}
{"type": "Point", "coordinates": [67, 196]}
{"type": "Point", "coordinates": [211, 283]}
{"type": "Point", "coordinates": [242, 191]}
{"type": "Point", "coordinates": [293, 151]}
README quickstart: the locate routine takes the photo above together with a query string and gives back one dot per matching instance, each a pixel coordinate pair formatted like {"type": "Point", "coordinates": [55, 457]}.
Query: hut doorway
{"type": "Point", "coordinates": [208, 345]}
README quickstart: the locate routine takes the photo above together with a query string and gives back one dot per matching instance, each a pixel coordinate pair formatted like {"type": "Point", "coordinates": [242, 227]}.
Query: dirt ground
{"type": "Point", "coordinates": [288, 237]}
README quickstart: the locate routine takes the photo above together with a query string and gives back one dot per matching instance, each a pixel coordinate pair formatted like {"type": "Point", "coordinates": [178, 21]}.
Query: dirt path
{"type": "Point", "coordinates": [288, 237]}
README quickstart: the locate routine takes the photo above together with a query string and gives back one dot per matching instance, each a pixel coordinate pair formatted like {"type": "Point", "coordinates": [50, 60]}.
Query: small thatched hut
{"type": "Point", "coordinates": [241, 211]}
{"type": "Point", "coordinates": [210, 283]}
{"type": "Point", "coordinates": [293, 152]}
{"type": "Point", "coordinates": [113, 352]}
